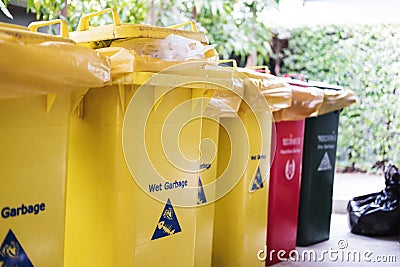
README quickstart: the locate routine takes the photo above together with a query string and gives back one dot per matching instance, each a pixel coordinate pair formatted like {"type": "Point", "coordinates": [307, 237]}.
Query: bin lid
{"type": "Point", "coordinates": [17, 33]}
{"type": "Point", "coordinates": [303, 82]}
{"type": "Point", "coordinates": [324, 85]}
{"type": "Point", "coordinates": [117, 30]}
{"type": "Point", "coordinates": [2, 24]}
{"type": "Point", "coordinates": [296, 82]}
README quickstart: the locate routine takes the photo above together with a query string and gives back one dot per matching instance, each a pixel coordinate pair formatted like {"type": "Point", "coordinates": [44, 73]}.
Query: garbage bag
{"type": "Point", "coordinates": [275, 90]}
{"type": "Point", "coordinates": [305, 103]}
{"type": "Point", "coordinates": [172, 48]}
{"type": "Point", "coordinates": [378, 214]}
{"type": "Point", "coordinates": [39, 64]}
{"type": "Point", "coordinates": [336, 100]}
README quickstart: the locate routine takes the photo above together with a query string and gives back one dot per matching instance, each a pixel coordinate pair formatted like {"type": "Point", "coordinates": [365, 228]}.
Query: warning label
{"type": "Point", "coordinates": [325, 164]}
{"type": "Point", "coordinates": [168, 223]}
{"type": "Point", "coordinates": [12, 253]}
{"type": "Point", "coordinates": [201, 196]}
{"type": "Point", "coordinates": [257, 182]}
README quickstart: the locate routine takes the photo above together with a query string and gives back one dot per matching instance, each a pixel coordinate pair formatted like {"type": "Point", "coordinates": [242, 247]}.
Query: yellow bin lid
{"type": "Point", "coordinates": [87, 34]}
{"type": "Point", "coordinates": [28, 35]}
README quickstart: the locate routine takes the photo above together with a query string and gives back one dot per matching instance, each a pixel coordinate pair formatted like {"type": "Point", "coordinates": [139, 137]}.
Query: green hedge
{"type": "Point", "coordinates": [366, 59]}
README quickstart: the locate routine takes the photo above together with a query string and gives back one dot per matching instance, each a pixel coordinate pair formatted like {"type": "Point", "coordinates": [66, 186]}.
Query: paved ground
{"type": "Point", "coordinates": [345, 247]}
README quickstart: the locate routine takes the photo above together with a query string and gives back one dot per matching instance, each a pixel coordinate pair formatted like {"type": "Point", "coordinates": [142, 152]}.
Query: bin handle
{"type": "Point", "coordinates": [34, 26]}
{"type": "Point", "coordinates": [265, 68]}
{"type": "Point", "coordinates": [234, 63]}
{"type": "Point", "coordinates": [83, 24]}
{"type": "Point", "coordinates": [192, 23]}
{"type": "Point", "coordinates": [298, 76]}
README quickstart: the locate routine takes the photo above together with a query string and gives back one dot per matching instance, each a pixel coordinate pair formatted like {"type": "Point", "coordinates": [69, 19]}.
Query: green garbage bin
{"type": "Point", "coordinates": [319, 157]}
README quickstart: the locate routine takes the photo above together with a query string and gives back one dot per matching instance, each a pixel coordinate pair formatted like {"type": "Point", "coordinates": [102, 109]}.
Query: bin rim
{"type": "Point", "coordinates": [163, 79]}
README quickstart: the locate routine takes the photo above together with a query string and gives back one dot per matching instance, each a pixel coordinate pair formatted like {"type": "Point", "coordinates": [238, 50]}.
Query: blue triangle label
{"type": "Point", "coordinates": [168, 223]}
{"type": "Point", "coordinates": [12, 253]}
{"type": "Point", "coordinates": [201, 196]}
{"type": "Point", "coordinates": [257, 182]}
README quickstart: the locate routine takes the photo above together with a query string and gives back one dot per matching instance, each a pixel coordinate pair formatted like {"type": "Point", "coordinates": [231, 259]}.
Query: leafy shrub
{"type": "Point", "coordinates": [366, 59]}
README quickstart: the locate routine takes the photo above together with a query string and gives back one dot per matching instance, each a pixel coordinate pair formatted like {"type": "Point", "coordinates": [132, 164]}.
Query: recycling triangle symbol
{"type": "Point", "coordinates": [325, 164]}
{"type": "Point", "coordinates": [168, 223]}
{"type": "Point", "coordinates": [257, 182]}
{"type": "Point", "coordinates": [201, 196]}
{"type": "Point", "coordinates": [12, 253]}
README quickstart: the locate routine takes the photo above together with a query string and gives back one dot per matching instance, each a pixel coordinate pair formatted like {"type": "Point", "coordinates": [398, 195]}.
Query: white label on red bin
{"type": "Point", "coordinates": [290, 169]}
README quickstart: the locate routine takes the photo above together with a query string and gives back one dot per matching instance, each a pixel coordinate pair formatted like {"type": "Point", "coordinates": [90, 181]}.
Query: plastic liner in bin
{"type": "Point", "coordinates": [336, 100]}
{"type": "Point", "coordinates": [275, 90]}
{"type": "Point", "coordinates": [305, 103]}
{"type": "Point", "coordinates": [154, 48]}
{"type": "Point", "coordinates": [38, 64]}
{"type": "Point", "coordinates": [39, 76]}
{"type": "Point", "coordinates": [377, 214]}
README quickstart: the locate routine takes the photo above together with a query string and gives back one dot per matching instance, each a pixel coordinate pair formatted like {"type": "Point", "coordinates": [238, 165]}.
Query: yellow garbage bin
{"type": "Point", "coordinates": [36, 98]}
{"type": "Point", "coordinates": [240, 216]}
{"type": "Point", "coordinates": [142, 157]}
{"type": "Point", "coordinates": [156, 212]}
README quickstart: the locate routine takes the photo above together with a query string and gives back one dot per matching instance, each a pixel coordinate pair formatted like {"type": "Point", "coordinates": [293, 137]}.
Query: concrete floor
{"type": "Point", "coordinates": [344, 248]}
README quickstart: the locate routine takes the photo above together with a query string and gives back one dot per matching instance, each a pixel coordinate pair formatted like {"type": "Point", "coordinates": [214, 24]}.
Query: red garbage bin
{"type": "Point", "coordinates": [286, 170]}
{"type": "Point", "coordinates": [284, 191]}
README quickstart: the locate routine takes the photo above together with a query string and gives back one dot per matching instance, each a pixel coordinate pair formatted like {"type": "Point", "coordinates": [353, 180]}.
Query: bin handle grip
{"type": "Point", "coordinates": [234, 63]}
{"type": "Point", "coordinates": [83, 24]}
{"type": "Point", "coordinates": [34, 26]}
{"type": "Point", "coordinates": [192, 23]}
{"type": "Point", "coordinates": [265, 68]}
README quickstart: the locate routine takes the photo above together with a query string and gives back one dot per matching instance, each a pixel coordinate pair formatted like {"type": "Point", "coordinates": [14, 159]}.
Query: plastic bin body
{"type": "Point", "coordinates": [284, 189]}
{"type": "Point", "coordinates": [111, 220]}
{"type": "Point", "coordinates": [34, 144]}
{"type": "Point", "coordinates": [240, 216]}
{"type": "Point", "coordinates": [37, 95]}
{"type": "Point", "coordinates": [319, 157]}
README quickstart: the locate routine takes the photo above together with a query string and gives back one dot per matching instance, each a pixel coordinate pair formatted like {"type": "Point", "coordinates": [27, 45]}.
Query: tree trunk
{"type": "Point", "coordinates": [64, 10]}
{"type": "Point", "coordinates": [194, 13]}
{"type": "Point", "coordinates": [251, 59]}
{"type": "Point", "coordinates": [152, 19]}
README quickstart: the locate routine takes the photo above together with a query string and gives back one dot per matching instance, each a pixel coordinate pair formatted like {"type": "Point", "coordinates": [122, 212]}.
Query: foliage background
{"type": "Point", "coordinates": [236, 24]}
{"type": "Point", "coordinates": [366, 59]}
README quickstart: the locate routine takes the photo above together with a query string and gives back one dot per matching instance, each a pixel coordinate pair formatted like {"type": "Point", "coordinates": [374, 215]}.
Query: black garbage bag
{"type": "Point", "coordinates": [378, 214]}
